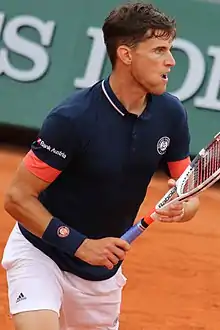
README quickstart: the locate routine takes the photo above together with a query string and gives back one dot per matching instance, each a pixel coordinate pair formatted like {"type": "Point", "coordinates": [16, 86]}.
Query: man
{"type": "Point", "coordinates": [80, 186]}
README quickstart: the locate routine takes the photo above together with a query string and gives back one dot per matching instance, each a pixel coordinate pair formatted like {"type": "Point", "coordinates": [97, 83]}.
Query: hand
{"type": "Point", "coordinates": [102, 252]}
{"type": "Point", "coordinates": [174, 212]}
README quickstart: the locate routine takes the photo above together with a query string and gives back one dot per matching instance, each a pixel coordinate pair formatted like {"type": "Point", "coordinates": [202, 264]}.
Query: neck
{"type": "Point", "coordinates": [129, 93]}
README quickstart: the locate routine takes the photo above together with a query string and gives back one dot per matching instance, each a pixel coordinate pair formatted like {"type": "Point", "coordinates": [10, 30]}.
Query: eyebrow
{"type": "Point", "coordinates": [163, 47]}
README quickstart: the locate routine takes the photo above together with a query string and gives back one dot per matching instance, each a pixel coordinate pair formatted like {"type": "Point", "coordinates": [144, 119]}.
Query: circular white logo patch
{"type": "Point", "coordinates": [163, 144]}
{"type": "Point", "coordinates": [63, 231]}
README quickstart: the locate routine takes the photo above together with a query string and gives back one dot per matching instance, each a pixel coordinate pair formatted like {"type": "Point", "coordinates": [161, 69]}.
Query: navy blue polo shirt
{"type": "Point", "coordinates": [99, 160]}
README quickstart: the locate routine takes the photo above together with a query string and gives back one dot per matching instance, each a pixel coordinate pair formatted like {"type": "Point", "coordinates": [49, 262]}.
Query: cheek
{"type": "Point", "coordinates": [147, 68]}
{"type": "Point", "coordinates": [141, 68]}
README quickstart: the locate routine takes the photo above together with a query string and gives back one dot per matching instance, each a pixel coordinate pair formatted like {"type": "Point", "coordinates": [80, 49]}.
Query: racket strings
{"type": "Point", "coordinates": [204, 168]}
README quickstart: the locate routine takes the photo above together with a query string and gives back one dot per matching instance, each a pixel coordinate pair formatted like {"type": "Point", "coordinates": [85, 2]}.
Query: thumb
{"type": "Point", "coordinates": [171, 183]}
{"type": "Point", "coordinates": [122, 244]}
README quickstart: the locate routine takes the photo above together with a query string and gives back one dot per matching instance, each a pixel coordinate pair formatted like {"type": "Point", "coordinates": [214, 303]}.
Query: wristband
{"type": "Point", "coordinates": [62, 236]}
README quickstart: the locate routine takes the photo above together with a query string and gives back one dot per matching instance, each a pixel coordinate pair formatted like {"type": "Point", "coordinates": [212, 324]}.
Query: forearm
{"type": "Point", "coordinates": [190, 208]}
{"type": "Point", "coordinates": [29, 212]}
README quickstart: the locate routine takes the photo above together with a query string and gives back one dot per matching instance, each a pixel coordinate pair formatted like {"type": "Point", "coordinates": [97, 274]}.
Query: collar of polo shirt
{"type": "Point", "coordinates": [117, 105]}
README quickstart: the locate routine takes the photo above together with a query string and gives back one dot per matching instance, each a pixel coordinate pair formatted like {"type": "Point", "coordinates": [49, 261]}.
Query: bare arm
{"type": "Point", "coordinates": [21, 201]}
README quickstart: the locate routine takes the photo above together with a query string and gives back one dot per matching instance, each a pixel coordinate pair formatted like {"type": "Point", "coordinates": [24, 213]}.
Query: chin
{"type": "Point", "coordinates": [158, 91]}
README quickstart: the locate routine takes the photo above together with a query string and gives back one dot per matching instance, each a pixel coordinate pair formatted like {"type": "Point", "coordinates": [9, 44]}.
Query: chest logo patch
{"type": "Point", "coordinates": [163, 144]}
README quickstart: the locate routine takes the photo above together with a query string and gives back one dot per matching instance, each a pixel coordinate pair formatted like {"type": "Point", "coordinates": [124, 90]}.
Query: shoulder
{"type": "Point", "coordinates": [77, 104]}
{"type": "Point", "coordinates": [171, 104]}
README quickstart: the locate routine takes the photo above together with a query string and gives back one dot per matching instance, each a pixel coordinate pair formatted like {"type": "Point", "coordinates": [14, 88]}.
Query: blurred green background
{"type": "Point", "coordinates": [48, 49]}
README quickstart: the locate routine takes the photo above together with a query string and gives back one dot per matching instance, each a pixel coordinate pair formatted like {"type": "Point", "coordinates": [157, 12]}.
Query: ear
{"type": "Point", "coordinates": [124, 54]}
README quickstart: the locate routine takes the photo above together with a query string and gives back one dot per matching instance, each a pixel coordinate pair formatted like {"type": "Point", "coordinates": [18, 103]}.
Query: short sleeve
{"type": "Point", "coordinates": [180, 138]}
{"type": "Point", "coordinates": [53, 149]}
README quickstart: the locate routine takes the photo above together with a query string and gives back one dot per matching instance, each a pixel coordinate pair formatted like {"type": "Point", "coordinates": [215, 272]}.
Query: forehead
{"type": "Point", "coordinates": [154, 42]}
{"type": "Point", "coordinates": [158, 38]}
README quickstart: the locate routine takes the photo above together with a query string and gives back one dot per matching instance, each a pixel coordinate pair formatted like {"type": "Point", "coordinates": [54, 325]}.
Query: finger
{"type": "Point", "coordinates": [121, 244]}
{"type": "Point", "coordinates": [108, 264]}
{"type": "Point", "coordinates": [176, 205]}
{"type": "Point", "coordinates": [173, 206]}
{"type": "Point", "coordinates": [170, 213]}
{"type": "Point", "coordinates": [166, 219]}
{"type": "Point", "coordinates": [171, 183]}
{"type": "Point", "coordinates": [120, 254]}
{"type": "Point", "coordinates": [178, 218]}
{"type": "Point", "coordinates": [108, 254]}
{"type": "Point", "coordinates": [113, 258]}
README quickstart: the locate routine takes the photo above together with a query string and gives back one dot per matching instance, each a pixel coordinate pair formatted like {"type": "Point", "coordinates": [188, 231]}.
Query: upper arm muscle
{"type": "Point", "coordinates": [26, 183]}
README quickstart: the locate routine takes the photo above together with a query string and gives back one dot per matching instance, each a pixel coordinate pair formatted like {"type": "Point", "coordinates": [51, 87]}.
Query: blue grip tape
{"type": "Point", "coordinates": [134, 232]}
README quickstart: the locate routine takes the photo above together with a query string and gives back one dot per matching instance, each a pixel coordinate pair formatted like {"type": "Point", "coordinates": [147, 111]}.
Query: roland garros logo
{"type": "Point", "coordinates": [163, 144]}
{"type": "Point", "coordinates": [63, 231]}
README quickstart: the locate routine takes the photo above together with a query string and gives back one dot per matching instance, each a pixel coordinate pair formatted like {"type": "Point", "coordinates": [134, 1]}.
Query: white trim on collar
{"type": "Point", "coordinates": [109, 99]}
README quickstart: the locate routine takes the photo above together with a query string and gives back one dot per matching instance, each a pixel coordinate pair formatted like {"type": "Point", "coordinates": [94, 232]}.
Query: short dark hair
{"type": "Point", "coordinates": [132, 23]}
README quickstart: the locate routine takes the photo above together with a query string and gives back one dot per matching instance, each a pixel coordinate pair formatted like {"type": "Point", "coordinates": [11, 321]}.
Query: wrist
{"type": "Point", "coordinates": [80, 252]}
{"type": "Point", "coordinates": [63, 236]}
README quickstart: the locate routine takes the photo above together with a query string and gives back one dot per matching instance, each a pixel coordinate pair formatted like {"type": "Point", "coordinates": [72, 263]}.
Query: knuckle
{"type": "Point", "coordinates": [111, 240]}
{"type": "Point", "coordinates": [108, 246]}
{"type": "Point", "coordinates": [105, 253]}
{"type": "Point", "coordinates": [121, 254]}
{"type": "Point", "coordinates": [103, 256]}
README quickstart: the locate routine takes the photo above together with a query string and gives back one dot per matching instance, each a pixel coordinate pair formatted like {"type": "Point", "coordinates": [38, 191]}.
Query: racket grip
{"type": "Point", "coordinates": [131, 234]}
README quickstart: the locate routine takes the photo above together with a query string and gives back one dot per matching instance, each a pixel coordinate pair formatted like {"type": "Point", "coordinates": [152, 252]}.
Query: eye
{"type": "Point", "coordinates": [160, 50]}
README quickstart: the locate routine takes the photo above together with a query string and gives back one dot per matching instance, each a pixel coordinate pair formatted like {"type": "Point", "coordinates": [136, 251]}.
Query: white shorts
{"type": "Point", "coordinates": [35, 282]}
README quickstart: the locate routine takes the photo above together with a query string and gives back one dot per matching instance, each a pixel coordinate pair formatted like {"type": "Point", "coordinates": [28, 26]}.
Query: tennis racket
{"type": "Point", "coordinates": [202, 173]}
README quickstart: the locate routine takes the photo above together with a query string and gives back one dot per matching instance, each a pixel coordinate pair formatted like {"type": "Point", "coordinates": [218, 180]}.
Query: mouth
{"type": "Point", "coordinates": [164, 76]}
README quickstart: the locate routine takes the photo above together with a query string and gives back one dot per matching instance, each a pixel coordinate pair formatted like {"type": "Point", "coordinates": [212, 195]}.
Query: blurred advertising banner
{"type": "Point", "coordinates": [47, 51]}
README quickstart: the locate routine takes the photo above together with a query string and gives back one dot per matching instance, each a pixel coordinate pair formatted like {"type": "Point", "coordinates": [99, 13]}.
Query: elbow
{"type": "Point", "coordinates": [13, 200]}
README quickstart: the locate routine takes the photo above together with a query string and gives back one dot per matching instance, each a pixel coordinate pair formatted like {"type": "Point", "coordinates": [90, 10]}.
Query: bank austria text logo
{"type": "Point", "coordinates": [51, 149]}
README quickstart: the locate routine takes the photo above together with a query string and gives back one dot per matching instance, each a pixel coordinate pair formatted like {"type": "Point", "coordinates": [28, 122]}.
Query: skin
{"type": "Point", "coordinates": [42, 319]}
{"type": "Point", "coordinates": [138, 71]}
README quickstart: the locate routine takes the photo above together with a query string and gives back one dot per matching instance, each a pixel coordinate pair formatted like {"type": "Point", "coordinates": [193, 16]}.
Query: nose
{"type": "Point", "coordinates": [170, 61]}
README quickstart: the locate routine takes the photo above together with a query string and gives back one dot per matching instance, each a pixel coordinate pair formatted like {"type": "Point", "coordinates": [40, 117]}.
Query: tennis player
{"type": "Point", "coordinates": [80, 186]}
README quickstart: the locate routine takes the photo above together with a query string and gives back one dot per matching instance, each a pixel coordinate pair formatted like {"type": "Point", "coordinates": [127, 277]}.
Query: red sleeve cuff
{"type": "Point", "coordinates": [178, 167]}
{"type": "Point", "coordinates": [39, 168]}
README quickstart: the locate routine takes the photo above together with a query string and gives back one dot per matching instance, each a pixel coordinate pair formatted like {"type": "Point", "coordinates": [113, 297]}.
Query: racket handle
{"type": "Point", "coordinates": [131, 234]}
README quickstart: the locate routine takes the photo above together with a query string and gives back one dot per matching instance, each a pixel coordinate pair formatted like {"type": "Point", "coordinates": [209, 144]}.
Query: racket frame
{"type": "Point", "coordinates": [141, 225]}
